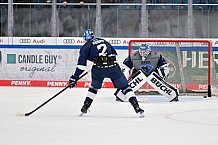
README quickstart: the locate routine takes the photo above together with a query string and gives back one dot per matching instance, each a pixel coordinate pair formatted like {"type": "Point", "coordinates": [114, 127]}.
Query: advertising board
{"type": "Point", "coordinates": [50, 61]}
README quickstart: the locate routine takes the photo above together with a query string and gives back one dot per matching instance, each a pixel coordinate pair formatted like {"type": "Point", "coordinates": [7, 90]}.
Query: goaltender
{"type": "Point", "coordinates": [148, 66]}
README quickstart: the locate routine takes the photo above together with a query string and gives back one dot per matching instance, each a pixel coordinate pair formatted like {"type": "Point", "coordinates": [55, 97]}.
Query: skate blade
{"type": "Point", "coordinates": [81, 114]}
{"type": "Point", "coordinates": [141, 115]}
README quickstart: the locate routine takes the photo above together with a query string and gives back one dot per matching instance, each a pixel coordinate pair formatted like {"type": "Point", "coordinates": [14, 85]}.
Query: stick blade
{"type": "Point", "coordinates": [20, 114]}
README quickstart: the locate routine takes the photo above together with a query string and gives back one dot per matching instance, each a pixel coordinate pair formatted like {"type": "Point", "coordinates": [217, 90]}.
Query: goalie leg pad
{"type": "Point", "coordinates": [162, 86]}
{"type": "Point", "coordinates": [124, 95]}
{"type": "Point", "coordinates": [137, 80]}
{"type": "Point", "coordinates": [155, 81]}
{"type": "Point", "coordinates": [135, 83]}
{"type": "Point", "coordinates": [119, 95]}
{"type": "Point", "coordinates": [128, 92]}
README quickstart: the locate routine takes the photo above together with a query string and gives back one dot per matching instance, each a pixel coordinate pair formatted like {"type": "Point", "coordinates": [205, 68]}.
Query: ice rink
{"type": "Point", "coordinates": [192, 121]}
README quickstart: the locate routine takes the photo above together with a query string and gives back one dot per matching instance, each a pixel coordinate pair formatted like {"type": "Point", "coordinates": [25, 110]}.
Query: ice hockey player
{"type": "Point", "coordinates": [144, 56]}
{"type": "Point", "coordinates": [103, 56]}
{"type": "Point", "coordinates": [148, 59]}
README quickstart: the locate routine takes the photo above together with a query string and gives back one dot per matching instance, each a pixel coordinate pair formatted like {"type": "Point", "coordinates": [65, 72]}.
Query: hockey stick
{"type": "Point", "coordinates": [31, 112]}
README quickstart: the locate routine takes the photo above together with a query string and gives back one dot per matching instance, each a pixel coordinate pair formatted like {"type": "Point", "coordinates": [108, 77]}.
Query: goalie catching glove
{"type": "Point", "coordinates": [164, 71]}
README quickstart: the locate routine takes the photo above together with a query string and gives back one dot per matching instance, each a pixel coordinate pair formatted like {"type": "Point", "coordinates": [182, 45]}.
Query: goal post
{"type": "Point", "coordinates": [190, 63]}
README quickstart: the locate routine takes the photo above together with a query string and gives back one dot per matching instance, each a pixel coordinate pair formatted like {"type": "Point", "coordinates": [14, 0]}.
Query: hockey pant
{"type": "Point", "coordinates": [140, 78]}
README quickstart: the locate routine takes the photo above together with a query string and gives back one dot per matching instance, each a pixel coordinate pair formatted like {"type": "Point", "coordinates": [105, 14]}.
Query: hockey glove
{"type": "Point", "coordinates": [164, 71]}
{"type": "Point", "coordinates": [72, 81]}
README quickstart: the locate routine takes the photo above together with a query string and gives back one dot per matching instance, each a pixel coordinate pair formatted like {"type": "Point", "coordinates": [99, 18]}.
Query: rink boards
{"type": "Point", "coordinates": [48, 62]}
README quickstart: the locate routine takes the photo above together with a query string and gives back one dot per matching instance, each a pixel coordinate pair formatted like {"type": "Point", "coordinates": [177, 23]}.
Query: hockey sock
{"type": "Point", "coordinates": [135, 105]}
{"type": "Point", "coordinates": [128, 92]}
{"type": "Point", "coordinates": [133, 101]}
{"type": "Point", "coordinates": [92, 93]}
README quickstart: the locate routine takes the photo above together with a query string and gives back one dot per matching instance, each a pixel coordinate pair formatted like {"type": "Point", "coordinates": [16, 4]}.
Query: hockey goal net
{"type": "Point", "coordinates": [191, 64]}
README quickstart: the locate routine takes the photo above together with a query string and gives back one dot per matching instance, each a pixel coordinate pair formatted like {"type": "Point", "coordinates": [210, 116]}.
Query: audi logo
{"type": "Point", "coordinates": [68, 41]}
{"type": "Point", "coordinates": [25, 40]}
{"type": "Point", "coordinates": [115, 41]}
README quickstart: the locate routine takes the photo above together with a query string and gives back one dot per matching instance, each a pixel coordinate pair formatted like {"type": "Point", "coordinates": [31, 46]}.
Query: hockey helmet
{"type": "Point", "coordinates": [88, 34]}
{"type": "Point", "coordinates": [144, 50]}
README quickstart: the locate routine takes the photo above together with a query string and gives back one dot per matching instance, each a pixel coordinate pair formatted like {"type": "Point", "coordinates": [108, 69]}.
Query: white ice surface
{"type": "Point", "coordinates": [192, 121]}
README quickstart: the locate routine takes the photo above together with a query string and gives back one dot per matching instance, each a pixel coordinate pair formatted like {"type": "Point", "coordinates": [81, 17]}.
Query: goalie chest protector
{"type": "Point", "coordinates": [152, 59]}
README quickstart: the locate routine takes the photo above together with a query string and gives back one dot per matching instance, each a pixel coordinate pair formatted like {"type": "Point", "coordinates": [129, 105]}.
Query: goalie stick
{"type": "Point", "coordinates": [31, 112]}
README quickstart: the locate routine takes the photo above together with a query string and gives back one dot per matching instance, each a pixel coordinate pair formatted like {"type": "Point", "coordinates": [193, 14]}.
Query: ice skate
{"type": "Point", "coordinates": [139, 111]}
{"type": "Point", "coordinates": [86, 106]}
{"type": "Point", "coordinates": [136, 107]}
{"type": "Point", "coordinates": [84, 110]}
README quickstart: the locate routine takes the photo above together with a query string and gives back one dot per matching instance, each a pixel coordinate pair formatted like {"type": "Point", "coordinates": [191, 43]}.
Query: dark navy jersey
{"type": "Point", "coordinates": [94, 48]}
{"type": "Point", "coordinates": [91, 49]}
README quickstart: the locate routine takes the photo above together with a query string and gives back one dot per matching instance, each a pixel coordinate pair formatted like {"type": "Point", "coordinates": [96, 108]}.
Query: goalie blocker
{"type": "Point", "coordinates": [141, 77]}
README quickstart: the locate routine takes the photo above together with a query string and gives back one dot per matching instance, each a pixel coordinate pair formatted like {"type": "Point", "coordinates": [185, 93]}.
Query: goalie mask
{"type": "Point", "coordinates": [88, 34]}
{"type": "Point", "coordinates": [144, 50]}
